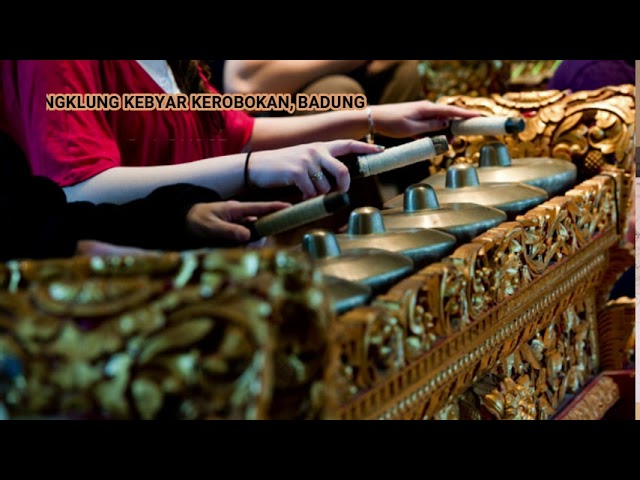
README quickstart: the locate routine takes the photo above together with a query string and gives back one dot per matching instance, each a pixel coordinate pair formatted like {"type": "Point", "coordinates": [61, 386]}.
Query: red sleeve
{"type": "Point", "coordinates": [66, 146]}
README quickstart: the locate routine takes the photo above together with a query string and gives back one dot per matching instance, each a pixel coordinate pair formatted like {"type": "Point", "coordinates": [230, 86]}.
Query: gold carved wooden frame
{"type": "Point", "coordinates": [507, 327]}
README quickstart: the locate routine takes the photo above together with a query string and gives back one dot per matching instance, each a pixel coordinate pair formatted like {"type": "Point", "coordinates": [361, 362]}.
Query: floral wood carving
{"type": "Point", "coordinates": [593, 129]}
{"type": "Point", "coordinates": [531, 381]}
{"type": "Point", "coordinates": [219, 334]}
{"type": "Point", "coordinates": [458, 318]}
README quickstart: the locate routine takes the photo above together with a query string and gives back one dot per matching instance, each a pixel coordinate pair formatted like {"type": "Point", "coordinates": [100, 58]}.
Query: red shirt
{"type": "Point", "coordinates": [72, 146]}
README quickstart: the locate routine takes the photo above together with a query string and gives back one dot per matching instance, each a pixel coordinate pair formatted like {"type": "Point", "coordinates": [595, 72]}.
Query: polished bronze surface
{"type": "Point", "coordinates": [373, 267]}
{"type": "Point", "coordinates": [463, 185]}
{"type": "Point", "coordinates": [505, 327]}
{"type": "Point", "coordinates": [593, 129]}
{"type": "Point", "coordinates": [421, 209]}
{"type": "Point", "coordinates": [553, 175]}
{"type": "Point", "coordinates": [366, 229]}
{"type": "Point", "coordinates": [345, 295]}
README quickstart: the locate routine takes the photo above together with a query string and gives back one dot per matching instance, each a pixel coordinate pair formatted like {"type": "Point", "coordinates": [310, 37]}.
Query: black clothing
{"type": "Point", "coordinates": [38, 222]}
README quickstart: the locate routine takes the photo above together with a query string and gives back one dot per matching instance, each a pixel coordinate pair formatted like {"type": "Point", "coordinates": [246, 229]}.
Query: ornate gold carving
{"type": "Point", "coordinates": [220, 334]}
{"type": "Point", "coordinates": [593, 129]}
{"type": "Point", "coordinates": [481, 78]}
{"type": "Point", "coordinates": [512, 401]}
{"type": "Point", "coordinates": [531, 382]}
{"type": "Point", "coordinates": [369, 347]}
{"type": "Point", "coordinates": [502, 328]}
{"type": "Point", "coordinates": [461, 317]}
{"type": "Point", "coordinates": [589, 128]}
{"type": "Point", "coordinates": [595, 403]}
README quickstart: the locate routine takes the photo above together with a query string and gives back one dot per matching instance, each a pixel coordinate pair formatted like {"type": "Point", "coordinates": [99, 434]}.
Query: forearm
{"type": "Point", "coordinates": [157, 221]}
{"type": "Point", "coordinates": [122, 184]}
{"type": "Point", "coordinates": [280, 76]}
{"type": "Point", "coordinates": [278, 132]}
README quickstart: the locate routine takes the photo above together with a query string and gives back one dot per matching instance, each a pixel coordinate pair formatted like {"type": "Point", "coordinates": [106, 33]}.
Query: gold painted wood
{"type": "Point", "coordinates": [593, 129]}
{"type": "Point", "coordinates": [509, 326]}
{"type": "Point", "coordinates": [223, 334]}
{"type": "Point", "coordinates": [595, 402]}
{"type": "Point", "coordinates": [476, 311]}
{"type": "Point", "coordinates": [531, 381]}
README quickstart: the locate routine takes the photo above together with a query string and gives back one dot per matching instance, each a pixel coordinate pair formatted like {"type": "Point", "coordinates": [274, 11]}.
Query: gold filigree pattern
{"type": "Point", "coordinates": [508, 266]}
{"type": "Point", "coordinates": [475, 258]}
{"type": "Point", "coordinates": [533, 380]}
{"type": "Point", "coordinates": [504, 328]}
{"type": "Point", "coordinates": [370, 346]}
{"type": "Point", "coordinates": [497, 283]}
{"type": "Point", "coordinates": [512, 400]}
{"type": "Point", "coordinates": [219, 334]}
{"type": "Point", "coordinates": [589, 128]}
{"type": "Point", "coordinates": [595, 403]}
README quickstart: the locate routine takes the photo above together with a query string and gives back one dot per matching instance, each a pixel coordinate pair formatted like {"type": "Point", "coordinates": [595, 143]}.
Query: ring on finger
{"type": "Point", "coordinates": [317, 176]}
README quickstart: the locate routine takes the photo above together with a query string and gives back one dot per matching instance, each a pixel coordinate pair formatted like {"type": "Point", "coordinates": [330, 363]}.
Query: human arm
{"type": "Point", "coordinates": [82, 150]}
{"type": "Point", "coordinates": [102, 157]}
{"type": "Point", "coordinates": [267, 169]}
{"type": "Point", "coordinates": [225, 221]}
{"type": "Point", "coordinates": [280, 76]}
{"type": "Point", "coordinates": [174, 217]}
{"type": "Point", "coordinates": [39, 223]}
{"type": "Point", "coordinates": [399, 120]}
{"type": "Point", "coordinates": [85, 151]}
{"type": "Point", "coordinates": [210, 225]}
{"type": "Point", "coordinates": [275, 162]}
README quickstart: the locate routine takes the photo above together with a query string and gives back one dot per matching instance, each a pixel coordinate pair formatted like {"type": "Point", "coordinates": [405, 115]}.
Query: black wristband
{"type": "Point", "coordinates": [247, 184]}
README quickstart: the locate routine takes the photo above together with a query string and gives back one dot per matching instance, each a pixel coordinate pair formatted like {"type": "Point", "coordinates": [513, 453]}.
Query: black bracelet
{"type": "Point", "coordinates": [247, 185]}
